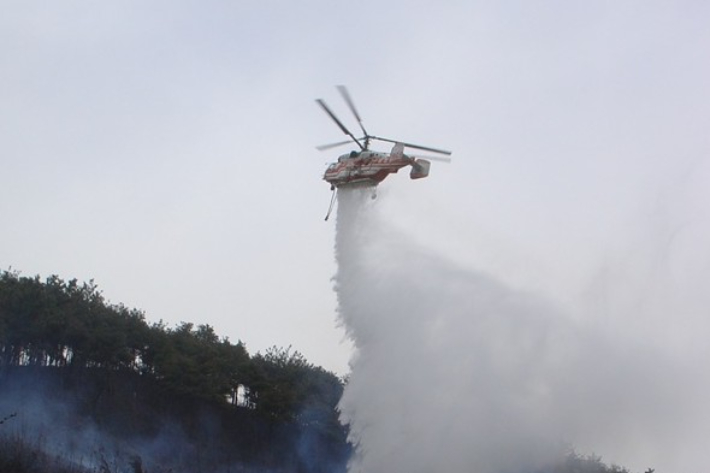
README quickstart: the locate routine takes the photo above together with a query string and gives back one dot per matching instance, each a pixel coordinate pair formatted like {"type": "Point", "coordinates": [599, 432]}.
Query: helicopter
{"type": "Point", "coordinates": [366, 168]}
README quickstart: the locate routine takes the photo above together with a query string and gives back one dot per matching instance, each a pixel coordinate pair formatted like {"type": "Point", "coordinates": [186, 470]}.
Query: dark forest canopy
{"type": "Point", "coordinates": [67, 324]}
{"type": "Point", "coordinates": [133, 379]}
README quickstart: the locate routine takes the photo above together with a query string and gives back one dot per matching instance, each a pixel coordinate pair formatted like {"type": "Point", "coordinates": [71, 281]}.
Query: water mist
{"type": "Point", "coordinates": [456, 372]}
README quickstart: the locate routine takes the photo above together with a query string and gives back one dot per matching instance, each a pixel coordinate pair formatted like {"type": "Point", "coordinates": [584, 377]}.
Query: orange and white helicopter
{"type": "Point", "coordinates": [365, 168]}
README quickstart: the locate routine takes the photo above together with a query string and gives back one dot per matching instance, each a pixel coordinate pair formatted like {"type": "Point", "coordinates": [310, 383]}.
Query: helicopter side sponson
{"type": "Point", "coordinates": [368, 168]}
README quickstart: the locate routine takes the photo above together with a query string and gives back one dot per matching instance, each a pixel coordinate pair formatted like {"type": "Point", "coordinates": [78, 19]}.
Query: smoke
{"type": "Point", "coordinates": [454, 371]}
{"type": "Point", "coordinates": [52, 429]}
{"type": "Point", "coordinates": [55, 423]}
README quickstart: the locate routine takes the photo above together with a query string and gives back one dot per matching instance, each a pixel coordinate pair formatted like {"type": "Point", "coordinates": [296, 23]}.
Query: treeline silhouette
{"type": "Point", "coordinates": [131, 377]}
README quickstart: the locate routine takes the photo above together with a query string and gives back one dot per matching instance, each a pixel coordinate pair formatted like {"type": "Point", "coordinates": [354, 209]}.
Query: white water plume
{"type": "Point", "coordinates": [456, 372]}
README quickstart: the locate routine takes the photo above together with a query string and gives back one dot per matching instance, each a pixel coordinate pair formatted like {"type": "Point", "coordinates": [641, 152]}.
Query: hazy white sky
{"type": "Point", "coordinates": [166, 150]}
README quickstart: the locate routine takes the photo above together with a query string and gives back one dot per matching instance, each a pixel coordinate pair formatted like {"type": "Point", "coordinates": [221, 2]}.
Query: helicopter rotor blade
{"type": "Point", "coordinates": [333, 145]}
{"type": "Point", "coordinates": [346, 96]}
{"type": "Point", "coordinates": [432, 158]}
{"type": "Point", "coordinates": [340, 125]}
{"type": "Point", "coordinates": [440, 159]}
{"type": "Point", "coordinates": [410, 145]}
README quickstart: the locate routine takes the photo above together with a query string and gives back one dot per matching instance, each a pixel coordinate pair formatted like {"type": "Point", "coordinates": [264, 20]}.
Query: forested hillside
{"type": "Point", "coordinates": [63, 348]}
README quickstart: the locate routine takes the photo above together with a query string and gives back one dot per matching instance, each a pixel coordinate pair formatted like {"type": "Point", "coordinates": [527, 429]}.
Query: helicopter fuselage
{"type": "Point", "coordinates": [369, 168]}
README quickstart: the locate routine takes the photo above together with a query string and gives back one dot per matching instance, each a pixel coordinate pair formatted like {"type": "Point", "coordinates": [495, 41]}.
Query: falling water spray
{"type": "Point", "coordinates": [454, 371]}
